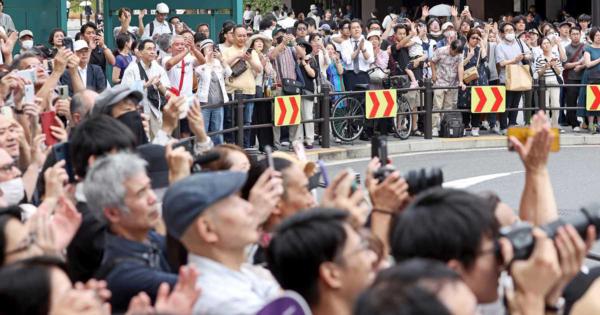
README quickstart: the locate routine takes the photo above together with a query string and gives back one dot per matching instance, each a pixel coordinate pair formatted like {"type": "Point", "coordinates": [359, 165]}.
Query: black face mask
{"type": "Point", "coordinates": [133, 120]}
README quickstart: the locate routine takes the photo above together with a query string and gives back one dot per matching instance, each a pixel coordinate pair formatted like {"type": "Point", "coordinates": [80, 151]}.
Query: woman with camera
{"type": "Point", "coordinates": [211, 87]}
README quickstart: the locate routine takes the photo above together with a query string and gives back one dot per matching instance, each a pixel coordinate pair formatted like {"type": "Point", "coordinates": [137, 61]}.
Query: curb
{"type": "Point", "coordinates": [362, 149]}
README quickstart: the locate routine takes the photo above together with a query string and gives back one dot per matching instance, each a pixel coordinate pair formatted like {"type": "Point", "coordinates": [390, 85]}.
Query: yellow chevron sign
{"type": "Point", "coordinates": [380, 104]}
{"type": "Point", "coordinates": [287, 110]}
{"type": "Point", "coordinates": [488, 99]}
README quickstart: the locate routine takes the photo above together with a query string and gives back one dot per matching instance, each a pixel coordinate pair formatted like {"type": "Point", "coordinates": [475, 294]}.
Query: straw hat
{"type": "Point", "coordinates": [266, 41]}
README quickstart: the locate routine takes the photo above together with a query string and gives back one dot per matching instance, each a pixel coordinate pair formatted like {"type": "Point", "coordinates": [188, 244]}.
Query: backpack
{"type": "Point", "coordinates": [452, 126]}
{"type": "Point", "coordinates": [152, 28]}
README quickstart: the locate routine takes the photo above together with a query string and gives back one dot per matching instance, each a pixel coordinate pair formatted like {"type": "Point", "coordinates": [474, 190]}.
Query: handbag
{"type": "Point", "coordinates": [289, 86]}
{"type": "Point", "coordinates": [155, 98]}
{"type": "Point", "coordinates": [238, 68]}
{"type": "Point", "coordinates": [519, 77]}
{"type": "Point", "coordinates": [471, 73]}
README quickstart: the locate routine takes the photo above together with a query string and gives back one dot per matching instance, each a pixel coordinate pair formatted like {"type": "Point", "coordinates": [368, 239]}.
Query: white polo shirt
{"type": "Point", "coordinates": [188, 74]}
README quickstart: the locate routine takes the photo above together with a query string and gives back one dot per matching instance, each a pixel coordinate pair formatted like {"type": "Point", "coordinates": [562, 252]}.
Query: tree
{"type": "Point", "coordinates": [264, 5]}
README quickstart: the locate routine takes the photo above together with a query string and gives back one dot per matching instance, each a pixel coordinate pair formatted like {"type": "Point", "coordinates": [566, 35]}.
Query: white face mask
{"type": "Point", "coordinates": [13, 191]}
{"type": "Point", "coordinates": [27, 44]}
{"type": "Point", "coordinates": [509, 37]}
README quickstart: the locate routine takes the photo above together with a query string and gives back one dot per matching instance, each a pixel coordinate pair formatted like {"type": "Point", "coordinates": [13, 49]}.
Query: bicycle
{"type": "Point", "coordinates": [353, 107]}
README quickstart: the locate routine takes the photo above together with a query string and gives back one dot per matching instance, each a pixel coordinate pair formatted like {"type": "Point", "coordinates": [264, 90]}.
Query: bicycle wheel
{"type": "Point", "coordinates": [347, 129]}
{"type": "Point", "coordinates": [403, 120]}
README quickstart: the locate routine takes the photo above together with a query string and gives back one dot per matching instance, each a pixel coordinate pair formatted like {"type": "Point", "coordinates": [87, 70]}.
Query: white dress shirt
{"type": "Point", "coordinates": [348, 49]}
{"type": "Point", "coordinates": [230, 292]}
{"type": "Point", "coordinates": [83, 74]}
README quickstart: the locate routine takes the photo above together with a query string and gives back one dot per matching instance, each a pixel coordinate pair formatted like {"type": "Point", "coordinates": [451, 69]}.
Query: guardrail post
{"type": "Point", "coordinates": [239, 118]}
{"type": "Point", "coordinates": [325, 124]}
{"type": "Point", "coordinates": [542, 93]}
{"type": "Point", "coordinates": [428, 108]}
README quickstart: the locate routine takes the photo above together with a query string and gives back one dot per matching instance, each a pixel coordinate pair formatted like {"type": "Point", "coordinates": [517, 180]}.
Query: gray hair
{"type": "Point", "coordinates": [173, 38]}
{"type": "Point", "coordinates": [104, 185]}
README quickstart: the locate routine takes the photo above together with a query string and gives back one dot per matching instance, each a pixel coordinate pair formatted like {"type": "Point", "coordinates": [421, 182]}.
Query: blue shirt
{"type": "Point", "coordinates": [134, 267]}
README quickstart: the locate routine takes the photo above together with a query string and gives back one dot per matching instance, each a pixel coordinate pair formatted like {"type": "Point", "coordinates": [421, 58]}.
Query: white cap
{"type": "Point", "coordinates": [79, 45]}
{"type": "Point", "coordinates": [374, 33]}
{"type": "Point", "coordinates": [25, 33]}
{"type": "Point", "coordinates": [446, 25]}
{"type": "Point", "coordinates": [162, 8]}
{"type": "Point", "coordinates": [313, 7]}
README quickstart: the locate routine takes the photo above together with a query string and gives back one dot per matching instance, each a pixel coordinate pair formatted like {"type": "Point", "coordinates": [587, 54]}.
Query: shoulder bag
{"type": "Point", "coordinates": [471, 73]}
{"type": "Point", "coordinates": [518, 77]}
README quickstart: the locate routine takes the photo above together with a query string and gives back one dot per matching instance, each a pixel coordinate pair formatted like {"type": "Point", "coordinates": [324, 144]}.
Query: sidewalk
{"type": "Point", "coordinates": [362, 149]}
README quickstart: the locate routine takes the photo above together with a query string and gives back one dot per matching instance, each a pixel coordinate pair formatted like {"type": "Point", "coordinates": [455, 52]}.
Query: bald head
{"type": "Point", "coordinates": [81, 104]}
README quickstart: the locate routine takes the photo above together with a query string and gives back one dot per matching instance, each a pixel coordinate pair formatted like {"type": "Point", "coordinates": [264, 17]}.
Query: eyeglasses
{"type": "Point", "coordinates": [476, 38]}
{"type": "Point", "coordinates": [8, 167]}
{"type": "Point", "coordinates": [301, 28]}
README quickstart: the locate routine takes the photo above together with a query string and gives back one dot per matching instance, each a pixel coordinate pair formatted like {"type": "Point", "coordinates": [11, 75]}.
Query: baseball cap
{"type": "Point", "coordinates": [79, 45]}
{"type": "Point", "coordinates": [111, 96]}
{"type": "Point", "coordinates": [277, 30]}
{"type": "Point", "coordinates": [447, 25]}
{"type": "Point", "coordinates": [25, 33]}
{"type": "Point", "coordinates": [188, 198]}
{"type": "Point", "coordinates": [374, 33]}
{"type": "Point", "coordinates": [162, 8]}
{"type": "Point", "coordinates": [205, 43]}
{"type": "Point", "coordinates": [325, 27]}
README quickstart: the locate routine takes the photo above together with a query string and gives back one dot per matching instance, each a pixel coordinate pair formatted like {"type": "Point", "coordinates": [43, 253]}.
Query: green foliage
{"type": "Point", "coordinates": [264, 5]}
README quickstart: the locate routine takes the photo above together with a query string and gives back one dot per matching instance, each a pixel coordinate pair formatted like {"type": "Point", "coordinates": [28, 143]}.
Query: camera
{"type": "Point", "coordinates": [523, 241]}
{"type": "Point", "coordinates": [417, 180]}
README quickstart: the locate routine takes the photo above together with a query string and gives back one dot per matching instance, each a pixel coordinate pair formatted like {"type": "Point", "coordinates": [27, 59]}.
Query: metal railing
{"type": "Point", "coordinates": [324, 98]}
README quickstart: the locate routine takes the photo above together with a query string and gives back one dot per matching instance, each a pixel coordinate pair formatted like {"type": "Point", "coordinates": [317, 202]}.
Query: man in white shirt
{"type": "Point", "coordinates": [206, 214]}
{"type": "Point", "coordinates": [159, 25]}
{"type": "Point", "coordinates": [153, 75]}
{"type": "Point", "coordinates": [357, 55]}
{"type": "Point", "coordinates": [181, 63]}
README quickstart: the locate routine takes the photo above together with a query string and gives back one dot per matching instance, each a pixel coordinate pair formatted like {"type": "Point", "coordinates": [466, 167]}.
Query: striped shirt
{"type": "Point", "coordinates": [285, 64]}
{"type": "Point", "coordinates": [541, 61]}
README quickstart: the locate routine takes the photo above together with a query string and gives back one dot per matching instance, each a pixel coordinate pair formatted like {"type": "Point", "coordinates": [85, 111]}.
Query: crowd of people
{"type": "Point", "coordinates": [116, 199]}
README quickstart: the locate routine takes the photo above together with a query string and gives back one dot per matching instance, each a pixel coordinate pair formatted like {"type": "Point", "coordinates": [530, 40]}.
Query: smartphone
{"type": "Point", "coordinates": [63, 91]}
{"type": "Point", "coordinates": [28, 74]}
{"type": "Point", "coordinates": [249, 51]}
{"type": "Point", "coordinates": [49, 65]}
{"type": "Point", "coordinates": [68, 43]}
{"type": "Point", "coordinates": [522, 133]}
{"type": "Point", "coordinates": [61, 152]}
{"type": "Point", "coordinates": [356, 181]}
{"type": "Point", "coordinates": [466, 8]}
{"type": "Point", "coordinates": [48, 120]}
{"type": "Point", "coordinates": [29, 94]}
{"type": "Point", "coordinates": [379, 149]}
{"type": "Point", "coordinates": [299, 150]}
{"type": "Point", "coordinates": [187, 144]}
{"type": "Point", "coordinates": [269, 153]}
{"type": "Point", "coordinates": [490, 21]}
{"type": "Point", "coordinates": [324, 174]}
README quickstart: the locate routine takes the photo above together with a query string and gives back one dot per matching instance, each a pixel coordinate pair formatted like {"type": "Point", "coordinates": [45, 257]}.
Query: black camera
{"type": "Point", "coordinates": [523, 241]}
{"type": "Point", "coordinates": [417, 180]}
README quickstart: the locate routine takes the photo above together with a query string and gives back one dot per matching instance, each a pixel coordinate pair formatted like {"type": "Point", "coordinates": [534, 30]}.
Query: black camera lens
{"type": "Point", "coordinates": [523, 242]}
{"type": "Point", "coordinates": [423, 179]}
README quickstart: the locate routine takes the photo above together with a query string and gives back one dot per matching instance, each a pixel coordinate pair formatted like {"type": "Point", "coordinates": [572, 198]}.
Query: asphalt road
{"type": "Point", "coordinates": [575, 173]}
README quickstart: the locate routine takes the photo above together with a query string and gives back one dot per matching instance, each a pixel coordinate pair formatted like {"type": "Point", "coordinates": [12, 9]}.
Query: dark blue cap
{"type": "Point", "coordinates": [186, 199]}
